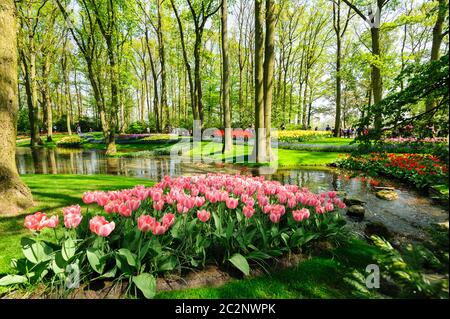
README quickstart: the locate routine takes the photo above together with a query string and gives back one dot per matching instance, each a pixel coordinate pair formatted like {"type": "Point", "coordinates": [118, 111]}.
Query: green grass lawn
{"type": "Point", "coordinates": [330, 141]}
{"type": "Point", "coordinates": [286, 158]}
{"type": "Point", "coordinates": [329, 275]}
{"type": "Point", "coordinates": [51, 193]}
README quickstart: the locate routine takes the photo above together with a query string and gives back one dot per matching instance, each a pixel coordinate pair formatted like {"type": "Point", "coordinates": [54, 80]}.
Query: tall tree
{"type": "Point", "coordinates": [201, 11]}
{"type": "Point", "coordinates": [165, 118]}
{"type": "Point", "coordinates": [30, 15]}
{"type": "Point", "coordinates": [14, 194]}
{"type": "Point", "coordinates": [373, 18]}
{"type": "Point", "coordinates": [105, 17]}
{"type": "Point", "coordinates": [228, 139]}
{"type": "Point", "coordinates": [339, 30]}
{"type": "Point", "coordinates": [438, 35]}
{"type": "Point", "coordinates": [186, 61]}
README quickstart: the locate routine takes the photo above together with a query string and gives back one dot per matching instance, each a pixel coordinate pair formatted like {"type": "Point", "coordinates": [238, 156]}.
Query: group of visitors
{"type": "Point", "coordinates": [345, 132]}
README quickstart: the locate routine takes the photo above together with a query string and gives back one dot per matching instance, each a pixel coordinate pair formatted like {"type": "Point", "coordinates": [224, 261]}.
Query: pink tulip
{"type": "Point", "coordinates": [341, 205]}
{"type": "Point", "coordinates": [157, 195]}
{"type": "Point", "coordinates": [74, 209]}
{"type": "Point", "coordinates": [274, 217]}
{"type": "Point", "coordinates": [248, 211]}
{"type": "Point", "coordinates": [133, 204]}
{"type": "Point", "coordinates": [110, 207]}
{"type": "Point", "coordinates": [262, 200]}
{"type": "Point", "coordinates": [159, 205]}
{"type": "Point", "coordinates": [182, 209]}
{"type": "Point", "coordinates": [329, 207]}
{"type": "Point", "coordinates": [292, 202]}
{"type": "Point", "coordinates": [332, 194]}
{"type": "Point", "coordinates": [72, 220]}
{"type": "Point", "coordinates": [88, 198]}
{"type": "Point", "coordinates": [203, 215]}
{"type": "Point", "coordinates": [72, 216]}
{"type": "Point", "coordinates": [168, 220]}
{"type": "Point", "coordinates": [301, 214]}
{"type": "Point", "coordinates": [146, 223]}
{"type": "Point", "coordinates": [102, 199]}
{"type": "Point", "coordinates": [199, 201]}
{"type": "Point", "coordinates": [100, 226]}
{"type": "Point", "coordinates": [159, 229]}
{"type": "Point", "coordinates": [39, 221]}
{"type": "Point", "coordinates": [232, 203]}
{"type": "Point", "coordinates": [124, 210]}
{"type": "Point", "coordinates": [320, 209]}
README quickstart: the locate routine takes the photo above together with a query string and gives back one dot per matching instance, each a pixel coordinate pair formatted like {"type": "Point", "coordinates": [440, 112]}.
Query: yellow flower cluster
{"type": "Point", "coordinates": [302, 135]}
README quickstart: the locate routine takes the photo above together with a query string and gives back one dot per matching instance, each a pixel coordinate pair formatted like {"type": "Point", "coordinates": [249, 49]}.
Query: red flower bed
{"type": "Point", "coordinates": [422, 170]}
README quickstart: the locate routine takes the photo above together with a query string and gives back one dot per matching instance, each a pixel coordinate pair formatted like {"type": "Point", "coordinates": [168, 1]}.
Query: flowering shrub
{"type": "Point", "coordinates": [301, 135]}
{"type": "Point", "coordinates": [179, 223]}
{"type": "Point", "coordinates": [419, 169]}
{"type": "Point", "coordinates": [70, 141]}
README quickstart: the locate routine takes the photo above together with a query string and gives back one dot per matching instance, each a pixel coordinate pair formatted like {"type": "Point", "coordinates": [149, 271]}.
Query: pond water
{"type": "Point", "coordinates": [406, 217]}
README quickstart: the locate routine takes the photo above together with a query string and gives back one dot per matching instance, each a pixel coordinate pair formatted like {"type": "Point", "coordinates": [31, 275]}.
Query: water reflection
{"type": "Point", "coordinates": [86, 162]}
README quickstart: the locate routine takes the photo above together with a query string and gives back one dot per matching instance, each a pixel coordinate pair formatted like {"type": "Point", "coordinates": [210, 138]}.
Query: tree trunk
{"type": "Point", "coordinates": [437, 40]}
{"type": "Point", "coordinates": [67, 98]}
{"type": "Point", "coordinates": [377, 85]}
{"type": "Point", "coordinates": [260, 145]}
{"type": "Point", "coordinates": [337, 122]}
{"type": "Point", "coordinates": [228, 139]}
{"type": "Point", "coordinates": [269, 60]}
{"type": "Point", "coordinates": [186, 63]}
{"type": "Point", "coordinates": [46, 98]}
{"type": "Point", "coordinates": [165, 116]}
{"type": "Point", "coordinates": [14, 194]}
{"type": "Point", "coordinates": [197, 79]}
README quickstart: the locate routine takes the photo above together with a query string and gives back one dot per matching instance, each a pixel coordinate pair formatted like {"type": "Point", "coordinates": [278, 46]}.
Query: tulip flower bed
{"type": "Point", "coordinates": [177, 225]}
{"type": "Point", "coordinates": [418, 169]}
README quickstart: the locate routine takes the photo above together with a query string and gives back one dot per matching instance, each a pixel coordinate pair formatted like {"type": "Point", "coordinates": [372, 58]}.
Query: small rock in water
{"type": "Point", "coordinates": [356, 211]}
{"type": "Point", "coordinates": [379, 229]}
{"type": "Point", "coordinates": [349, 201]}
{"type": "Point", "coordinates": [387, 194]}
{"type": "Point", "coordinates": [443, 225]}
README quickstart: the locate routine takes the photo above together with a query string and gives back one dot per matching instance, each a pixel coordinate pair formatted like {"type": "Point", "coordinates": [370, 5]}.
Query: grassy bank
{"type": "Point", "coordinates": [331, 274]}
{"type": "Point", "coordinates": [51, 193]}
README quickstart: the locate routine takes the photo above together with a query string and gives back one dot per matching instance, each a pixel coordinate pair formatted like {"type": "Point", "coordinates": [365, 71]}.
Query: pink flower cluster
{"type": "Point", "coordinates": [72, 216]}
{"type": "Point", "coordinates": [123, 202]}
{"type": "Point", "coordinates": [148, 223]}
{"type": "Point", "coordinates": [39, 221]}
{"type": "Point", "coordinates": [101, 226]}
{"type": "Point", "coordinates": [199, 195]}
{"type": "Point", "coordinates": [196, 193]}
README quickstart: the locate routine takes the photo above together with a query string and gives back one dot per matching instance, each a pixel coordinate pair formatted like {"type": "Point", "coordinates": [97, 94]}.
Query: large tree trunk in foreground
{"type": "Point", "coordinates": [228, 140]}
{"type": "Point", "coordinates": [14, 194]}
